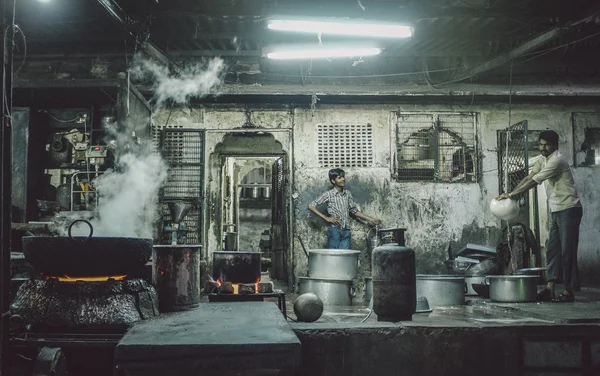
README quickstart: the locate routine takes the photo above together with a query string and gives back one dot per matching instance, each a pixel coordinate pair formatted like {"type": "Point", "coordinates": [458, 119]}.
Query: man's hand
{"type": "Point", "coordinates": [503, 196]}
{"type": "Point", "coordinates": [332, 220]}
{"type": "Point", "coordinates": [375, 221]}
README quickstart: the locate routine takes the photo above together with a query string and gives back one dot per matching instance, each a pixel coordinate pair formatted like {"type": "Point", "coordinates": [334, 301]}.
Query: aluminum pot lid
{"type": "Point", "coordinates": [334, 252]}
{"type": "Point", "coordinates": [513, 276]}
{"type": "Point", "coordinates": [325, 279]}
{"type": "Point", "coordinates": [442, 277]}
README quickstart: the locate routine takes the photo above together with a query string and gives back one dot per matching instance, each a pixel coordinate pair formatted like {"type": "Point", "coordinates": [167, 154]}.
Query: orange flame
{"type": "Point", "coordinates": [236, 286]}
{"type": "Point", "coordinates": [66, 278]}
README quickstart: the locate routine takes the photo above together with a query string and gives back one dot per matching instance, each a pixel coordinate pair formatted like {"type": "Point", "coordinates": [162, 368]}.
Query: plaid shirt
{"type": "Point", "coordinates": [339, 204]}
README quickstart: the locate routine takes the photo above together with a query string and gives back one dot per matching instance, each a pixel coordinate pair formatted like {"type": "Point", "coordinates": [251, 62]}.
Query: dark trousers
{"type": "Point", "coordinates": [561, 254]}
{"type": "Point", "coordinates": [337, 238]}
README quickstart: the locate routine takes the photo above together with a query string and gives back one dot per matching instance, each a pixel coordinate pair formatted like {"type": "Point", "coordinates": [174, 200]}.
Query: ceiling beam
{"type": "Point", "coordinates": [148, 47]}
{"type": "Point", "coordinates": [525, 47]}
{"type": "Point", "coordinates": [392, 10]}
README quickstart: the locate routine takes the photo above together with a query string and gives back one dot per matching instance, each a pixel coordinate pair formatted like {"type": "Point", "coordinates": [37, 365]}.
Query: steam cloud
{"type": "Point", "coordinates": [128, 193]}
{"type": "Point", "coordinates": [193, 81]}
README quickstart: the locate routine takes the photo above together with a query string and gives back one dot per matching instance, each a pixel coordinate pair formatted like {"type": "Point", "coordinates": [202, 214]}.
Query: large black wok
{"type": "Point", "coordinates": [86, 256]}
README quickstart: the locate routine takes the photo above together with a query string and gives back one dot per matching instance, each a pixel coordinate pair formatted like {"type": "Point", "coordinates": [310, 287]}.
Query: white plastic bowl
{"type": "Point", "coordinates": [506, 209]}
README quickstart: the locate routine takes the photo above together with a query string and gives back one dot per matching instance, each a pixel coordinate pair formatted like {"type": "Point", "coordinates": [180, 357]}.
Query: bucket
{"type": "Point", "coordinates": [176, 275]}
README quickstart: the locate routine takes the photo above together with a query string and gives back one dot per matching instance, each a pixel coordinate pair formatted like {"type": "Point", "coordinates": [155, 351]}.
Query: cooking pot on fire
{"type": "Point", "coordinates": [86, 256]}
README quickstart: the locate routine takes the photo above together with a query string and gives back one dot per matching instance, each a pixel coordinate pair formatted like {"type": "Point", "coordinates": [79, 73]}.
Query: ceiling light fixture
{"type": "Point", "coordinates": [343, 28]}
{"type": "Point", "coordinates": [315, 52]}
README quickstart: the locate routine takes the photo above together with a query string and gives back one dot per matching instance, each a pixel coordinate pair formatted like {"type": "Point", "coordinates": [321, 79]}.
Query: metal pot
{"type": "Point", "coordinates": [512, 288]}
{"type": "Point", "coordinates": [331, 291]}
{"type": "Point", "coordinates": [333, 263]}
{"type": "Point", "coordinates": [237, 267]}
{"type": "Point", "coordinates": [266, 192]}
{"type": "Point", "coordinates": [457, 266]}
{"type": "Point", "coordinates": [86, 256]}
{"type": "Point", "coordinates": [441, 290]}
{"type": "Point", "coordinates": [540, 272]}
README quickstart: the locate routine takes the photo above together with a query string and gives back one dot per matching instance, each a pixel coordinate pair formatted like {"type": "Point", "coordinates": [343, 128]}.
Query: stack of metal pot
{"type": "Point", "coordinates": [330, 275]}
{"type": "Point", "coordinates": [394, 278]}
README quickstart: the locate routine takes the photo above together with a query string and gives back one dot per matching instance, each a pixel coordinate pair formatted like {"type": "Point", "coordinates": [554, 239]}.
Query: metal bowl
{"type": "Point", "coordinates": [457, 267]}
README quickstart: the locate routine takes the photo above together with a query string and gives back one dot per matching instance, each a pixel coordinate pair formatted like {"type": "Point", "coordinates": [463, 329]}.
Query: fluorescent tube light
{"type": "Point", "coordinates": [312, 52]}
{"type": "Point", "coordinates": [343, 28]}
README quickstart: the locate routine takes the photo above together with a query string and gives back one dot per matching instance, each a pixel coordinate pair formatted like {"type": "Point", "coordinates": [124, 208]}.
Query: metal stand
{"type": "Point", "coordinates": [279, 294]}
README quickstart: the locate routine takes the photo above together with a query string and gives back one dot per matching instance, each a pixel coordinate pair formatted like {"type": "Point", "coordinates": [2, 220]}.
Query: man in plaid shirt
{"type": "Point", "coordinates": [340, 206]}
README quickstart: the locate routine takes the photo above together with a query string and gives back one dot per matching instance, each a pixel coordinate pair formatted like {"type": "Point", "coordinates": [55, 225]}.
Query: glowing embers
{"type": "Point", "coordinates": [225, 287]}
{"type": "Point", "coordinates": [66, 278]}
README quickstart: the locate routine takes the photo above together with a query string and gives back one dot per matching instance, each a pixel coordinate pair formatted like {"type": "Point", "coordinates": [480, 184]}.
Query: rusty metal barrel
{"type": "Point", "coordinates": [394, 279]}
{"type": "Point", "coordinates": [176, 275]}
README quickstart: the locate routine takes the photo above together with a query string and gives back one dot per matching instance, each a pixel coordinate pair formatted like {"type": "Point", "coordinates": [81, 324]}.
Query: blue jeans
{"type": "Point", "coordinates": [337, 238]}
{"type": "Point", "coordinates": [563, 240]}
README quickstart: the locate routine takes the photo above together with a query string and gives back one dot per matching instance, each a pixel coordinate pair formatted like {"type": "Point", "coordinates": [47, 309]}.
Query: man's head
{"type": "Point", "coordinates": [337, 177]}
{"type": "Point", "coordinates": [548, 142]}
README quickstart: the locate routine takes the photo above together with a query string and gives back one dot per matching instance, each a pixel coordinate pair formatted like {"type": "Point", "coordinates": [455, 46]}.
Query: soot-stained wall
{"type": "Point", "coordinates": [433, 213]}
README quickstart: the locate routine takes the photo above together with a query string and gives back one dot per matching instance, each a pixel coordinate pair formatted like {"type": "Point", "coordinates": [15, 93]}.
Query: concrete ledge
{"type": "Point", "coordinates": [408, 348]}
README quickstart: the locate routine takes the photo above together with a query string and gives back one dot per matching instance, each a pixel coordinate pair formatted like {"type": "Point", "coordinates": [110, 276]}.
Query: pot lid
{"type": "Point", "coordinates": [334, 252]}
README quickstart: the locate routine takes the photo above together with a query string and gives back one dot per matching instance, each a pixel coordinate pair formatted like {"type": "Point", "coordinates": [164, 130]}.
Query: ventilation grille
{"type": "Point", "coordinates": [345, 145]}
{"type": "Point", "coordinates": [436, 147]}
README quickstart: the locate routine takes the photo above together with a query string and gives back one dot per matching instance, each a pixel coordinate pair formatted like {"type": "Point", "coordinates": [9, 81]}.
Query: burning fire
{"type": "Point", "coordinates": [236, 286]}
{"type": "Point", "coordinates": [66, 278]}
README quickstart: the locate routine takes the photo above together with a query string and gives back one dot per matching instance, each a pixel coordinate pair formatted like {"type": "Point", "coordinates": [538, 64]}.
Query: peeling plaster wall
{"type": "Point", "coordinates": [433, 213]}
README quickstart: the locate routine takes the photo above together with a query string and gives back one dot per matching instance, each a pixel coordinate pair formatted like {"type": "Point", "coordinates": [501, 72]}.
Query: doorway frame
{"type": "Point", "coordinates": [288, 154]}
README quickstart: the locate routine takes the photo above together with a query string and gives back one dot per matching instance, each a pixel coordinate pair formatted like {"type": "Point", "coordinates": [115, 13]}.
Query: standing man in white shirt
{"type": "Point", "coordinates": [566, 212]}
{"type": "Point", "coordinates": [340, 206]}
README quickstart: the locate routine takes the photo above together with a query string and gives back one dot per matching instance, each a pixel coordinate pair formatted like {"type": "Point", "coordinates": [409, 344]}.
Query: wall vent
{"type": "Point", "coordinates": [345, 145]}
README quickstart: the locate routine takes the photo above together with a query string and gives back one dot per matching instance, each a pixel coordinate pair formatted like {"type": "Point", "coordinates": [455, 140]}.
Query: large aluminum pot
{"type": "Point", "coordinates": [86, 256]}
{"type": "Point", "coordinates": [237, 267]}
{"type": "Point", "coordinates": [331, 291]}
{"type": "Point", "coordinates": [441, 290]}
{"type": "Point", "coordinates": [512, 288]}
{"type": "Point", "coordinates": [333, 263]}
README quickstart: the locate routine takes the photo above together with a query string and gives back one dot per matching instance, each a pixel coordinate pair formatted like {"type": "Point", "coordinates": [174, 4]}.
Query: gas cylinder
{"type": "Point", "coordinates": [394, 279]}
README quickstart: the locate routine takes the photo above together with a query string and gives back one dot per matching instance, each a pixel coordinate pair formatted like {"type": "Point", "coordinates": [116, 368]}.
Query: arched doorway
{"type": "Point", "coordinates": [252, 197]}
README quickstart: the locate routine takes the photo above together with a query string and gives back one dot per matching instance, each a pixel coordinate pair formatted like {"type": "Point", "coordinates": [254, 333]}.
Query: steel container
{"type": "Point", "coordinates": [512, 288]}
{"type": "Point", "coordinates": [237, 267]}
{"type": "Point", "coordinates": [333, 263]}
{"type": "Point", "coordinates": [442, 290]}
{"type": "Point", "coordinates": [540, 272]}
{"type": "Point", "coordinates": [333, 292]}
{"type": "Point", "coordinates": [176, 275]}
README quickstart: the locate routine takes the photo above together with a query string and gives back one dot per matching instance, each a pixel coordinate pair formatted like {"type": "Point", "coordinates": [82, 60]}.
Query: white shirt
{"type": "Point", "coordinates": [555, 171]}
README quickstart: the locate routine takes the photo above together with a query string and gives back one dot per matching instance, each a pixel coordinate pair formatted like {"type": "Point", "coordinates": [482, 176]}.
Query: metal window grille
{"type": "Point", "coordinates": [345, 145]}
{"type": "Point", "coordinates": [183, 151]}
{"type": "Point", "coordinates": [513, 158]}
{"type": "Point", "coordinates": [591, 147]}
{"type": "Point", "coordinates": [439, 147]}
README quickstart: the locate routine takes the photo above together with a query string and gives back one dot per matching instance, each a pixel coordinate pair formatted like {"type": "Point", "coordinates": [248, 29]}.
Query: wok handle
{"type": "Point", "coordinates": [86, 222]}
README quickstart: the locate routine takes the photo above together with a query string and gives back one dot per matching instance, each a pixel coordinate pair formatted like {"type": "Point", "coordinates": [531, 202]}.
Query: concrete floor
{"type": "Point", "coordinates": [477, 312]}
